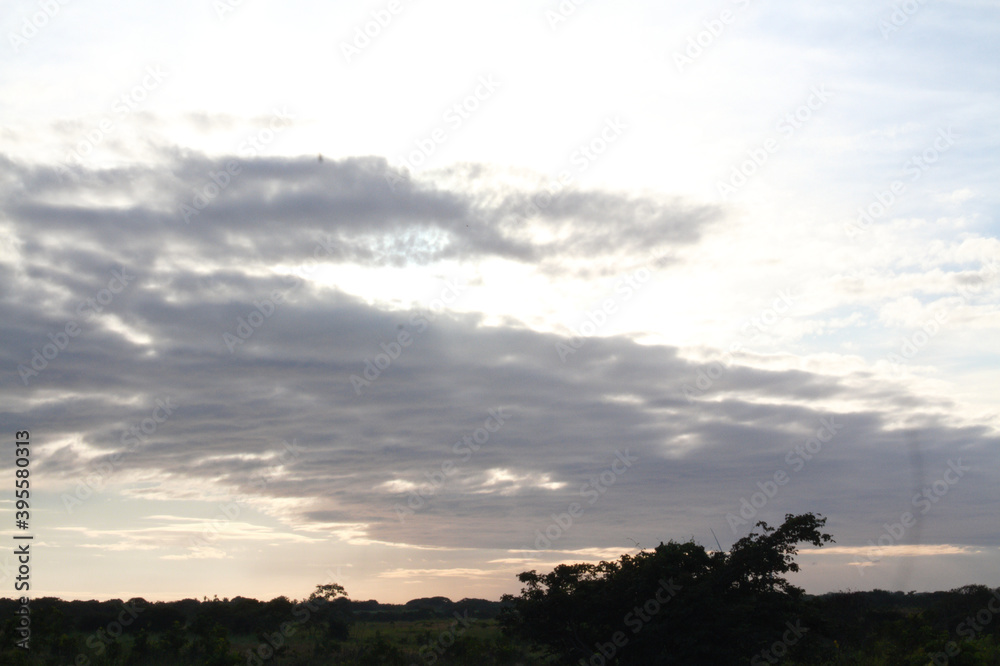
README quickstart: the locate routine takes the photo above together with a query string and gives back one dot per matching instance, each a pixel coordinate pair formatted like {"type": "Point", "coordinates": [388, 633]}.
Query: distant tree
{"type": "Point", "coordinates": [676, 603]}
{"type": "Point", "coordinates": [334, 611]}
{"type": "Point", "coordinates": [328, 591]}
{"type": "Point", "coordinates": [275, 612]}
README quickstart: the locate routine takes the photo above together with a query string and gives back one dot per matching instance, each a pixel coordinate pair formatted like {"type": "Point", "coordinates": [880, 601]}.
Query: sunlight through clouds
{"type": "Point", "coordinates": [340, 285]}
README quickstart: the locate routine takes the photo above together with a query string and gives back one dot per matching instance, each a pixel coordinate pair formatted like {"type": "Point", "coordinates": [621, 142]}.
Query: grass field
{"type": "Point", "coordinates": [440, 641]}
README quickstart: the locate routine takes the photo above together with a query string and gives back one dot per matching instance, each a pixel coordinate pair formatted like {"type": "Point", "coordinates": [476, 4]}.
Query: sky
{"type": "Point", "coordinates": [413, 296]}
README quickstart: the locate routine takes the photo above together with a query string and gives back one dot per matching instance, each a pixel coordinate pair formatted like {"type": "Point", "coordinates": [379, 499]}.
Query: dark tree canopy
{"type": "Point", "coordinates": [675, 604]}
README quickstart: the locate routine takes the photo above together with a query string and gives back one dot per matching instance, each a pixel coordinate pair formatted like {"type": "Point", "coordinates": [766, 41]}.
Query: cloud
{"type": "Point", "coordinates": [239, 213]}
{"type": "Point", "coordinates": [273, 414]}
{"type": "Point", "coordinates": [362, 456]}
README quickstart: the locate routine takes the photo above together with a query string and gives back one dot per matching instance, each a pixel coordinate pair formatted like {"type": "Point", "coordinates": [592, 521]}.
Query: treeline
{"type": "Point", "coordinates": [960, 627]}
{"type": "Point", "coordinates": [673, 604]}
{"type": "Point", "coordinates": [221, 632]}
{"type": "Point", "coordinates": [680, 604]}
{"type": "Point", "coordinates": [239, 615]}
{"type": "Point", "coordinates": [88, 633]}
{"type": "Point", "coordinates": [856, 628]}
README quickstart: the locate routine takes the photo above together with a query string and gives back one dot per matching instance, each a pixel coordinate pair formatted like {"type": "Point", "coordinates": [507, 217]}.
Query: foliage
{"type": "Point", "coordinates": [676, 603]}
{"type": "Point", "coordinates": [720, 605]}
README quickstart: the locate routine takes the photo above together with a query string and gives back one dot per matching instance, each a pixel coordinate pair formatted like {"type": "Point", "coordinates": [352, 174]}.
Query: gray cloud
{"type": "Point", "coordinates": [362, 450]}
{"type": "Point", "coordinates": [274, 209]}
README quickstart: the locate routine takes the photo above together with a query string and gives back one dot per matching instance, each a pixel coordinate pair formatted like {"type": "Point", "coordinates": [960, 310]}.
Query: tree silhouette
{"type": "Point", "coordinates": [334, 611]}
{"type": "Point", "coordinates": [328, 591]}
{"type": "Point", "coordinates": [676, 603]}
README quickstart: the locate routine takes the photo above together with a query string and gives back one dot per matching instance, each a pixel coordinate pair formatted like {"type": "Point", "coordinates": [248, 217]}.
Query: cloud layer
{"type": "Point", "coordinates": [195, 366]}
